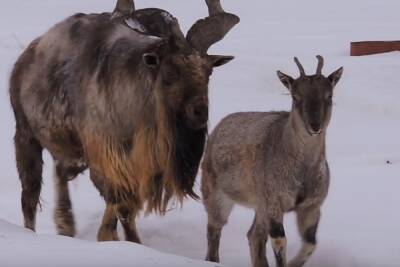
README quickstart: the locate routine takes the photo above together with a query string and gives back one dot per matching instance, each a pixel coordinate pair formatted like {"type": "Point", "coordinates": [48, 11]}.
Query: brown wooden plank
{"type": "Point", "coordinates": [373, 47]}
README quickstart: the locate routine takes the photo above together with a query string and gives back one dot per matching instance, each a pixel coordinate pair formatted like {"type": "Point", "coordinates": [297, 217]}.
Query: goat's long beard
{"type": "Point", "coordinates": [153, 155]}
{"type": "Point", "coordinates": [144, 174]}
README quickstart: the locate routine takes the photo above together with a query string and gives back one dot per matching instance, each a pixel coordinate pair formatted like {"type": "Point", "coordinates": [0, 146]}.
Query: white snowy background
{"type": "Point", "coordinates": [361, 216]}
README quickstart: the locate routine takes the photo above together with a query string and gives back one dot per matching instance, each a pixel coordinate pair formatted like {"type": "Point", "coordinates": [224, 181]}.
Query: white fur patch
{"type": "Point", "coordinates": [279, 243]}
{"type": "Point", "coordinates": [154, 37]}
{"type": "Point", "coordinates": [135, 25]}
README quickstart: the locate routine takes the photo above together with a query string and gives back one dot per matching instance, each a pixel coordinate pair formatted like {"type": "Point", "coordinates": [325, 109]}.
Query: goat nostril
{"type": "Point", "coordinates": [198, 112]}
{"type": "Point", "coordinates": [316, 126]}
{"type": "Point", "coordinates": [200, 115]}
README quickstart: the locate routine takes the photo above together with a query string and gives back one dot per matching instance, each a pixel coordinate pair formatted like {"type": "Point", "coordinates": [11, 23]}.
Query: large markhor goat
{"type": "Point", "coordinates": [124, 94]}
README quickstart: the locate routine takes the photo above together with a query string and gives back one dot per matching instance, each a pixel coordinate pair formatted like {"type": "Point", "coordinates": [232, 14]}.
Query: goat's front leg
{"type": "Point", "coordinates": [258, 236]}
{"type": "Point", "coordinates": [127, 217]}
{"type": "Point", "coordinates": [108, 228]}
{"type": "Point", "coordinates": [307, 221]}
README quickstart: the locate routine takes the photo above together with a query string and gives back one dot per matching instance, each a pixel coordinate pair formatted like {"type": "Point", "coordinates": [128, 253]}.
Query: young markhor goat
{"type": "Point", "coordinates": [272, 162]}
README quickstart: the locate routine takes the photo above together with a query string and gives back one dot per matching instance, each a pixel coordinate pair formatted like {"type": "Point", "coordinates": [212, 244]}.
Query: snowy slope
{"type": "Point", "coordinates": [360, 219]}
{"type": "Point", "coordinates": [20, 247]}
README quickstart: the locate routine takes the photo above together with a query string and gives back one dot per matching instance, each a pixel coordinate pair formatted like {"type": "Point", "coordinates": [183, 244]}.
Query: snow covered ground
{"type": "Point", "coordinates": [361, 216]}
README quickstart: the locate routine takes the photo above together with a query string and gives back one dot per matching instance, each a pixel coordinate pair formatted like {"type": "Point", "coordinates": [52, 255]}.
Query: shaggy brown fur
{"type": "Point", "coordinates": [135, 173]}
{"type": "Point", "coordinates": [101, 91]}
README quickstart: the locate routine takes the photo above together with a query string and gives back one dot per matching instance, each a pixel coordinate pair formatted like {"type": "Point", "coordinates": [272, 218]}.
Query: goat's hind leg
{"type": "Point", "coordinates": [279, 242]}
{"type": "Point", "coordinates": [218, 207]}
{"type": "Point", "coordinates": [29, 164]}
{"type": "Point", "coordinates": [307, 220]}
{"type": "Point", "coordinates": [63, 215]}
{"type": "Point", "coordinates": [258, 237]}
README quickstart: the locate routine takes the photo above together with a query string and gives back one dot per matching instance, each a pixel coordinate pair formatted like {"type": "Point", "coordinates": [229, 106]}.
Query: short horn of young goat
{"type": "Point", "coordinates": [301, 69]}
{"type": "Point", "coordinates": [320, 64]}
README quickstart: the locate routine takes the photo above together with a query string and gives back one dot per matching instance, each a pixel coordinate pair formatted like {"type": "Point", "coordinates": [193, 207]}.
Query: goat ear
{"type": "Point", "coordinates": [286, 80]}
{"type": "Point", "coordinates": [217, 61]}
{"type": "Point", "coordinates": [151, 60]}
{"type": "Point", "coordinates": [335, 76]}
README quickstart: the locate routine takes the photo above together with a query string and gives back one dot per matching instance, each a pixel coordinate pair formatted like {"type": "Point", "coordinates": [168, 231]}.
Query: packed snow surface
{"type": "Point", "coordinates": [361, 216]}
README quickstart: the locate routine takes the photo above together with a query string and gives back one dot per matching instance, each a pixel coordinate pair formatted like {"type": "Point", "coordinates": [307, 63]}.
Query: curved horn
{"type": "Point", "coordinates": [206, 32]}
{"type": "Point", "coordinates": [320, 64]}
{"type": "Point", "coordinates": [214, 7]}
{"type": "Point", "coordinates": [124, 7]}
{"type": "Point", "coordinates": [301, 69]}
